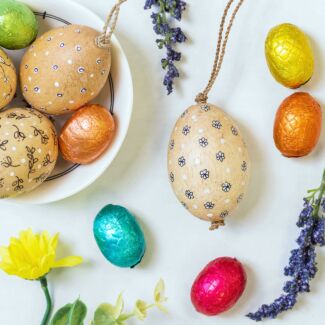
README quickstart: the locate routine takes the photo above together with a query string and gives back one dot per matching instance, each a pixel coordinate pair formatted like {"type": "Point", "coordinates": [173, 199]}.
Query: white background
{"type": "Point", "coordinates": [261, 233]}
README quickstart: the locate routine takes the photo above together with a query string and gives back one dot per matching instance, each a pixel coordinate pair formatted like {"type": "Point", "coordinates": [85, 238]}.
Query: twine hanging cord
{"type": "Point", "coordinates": [104, 39]}
{"type": "Point", "coordinates": [221, 49]}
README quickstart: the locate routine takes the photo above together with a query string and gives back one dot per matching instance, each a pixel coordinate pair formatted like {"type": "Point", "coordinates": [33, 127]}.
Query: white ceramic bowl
{"type": "Point", "coordinates": [68, 179]}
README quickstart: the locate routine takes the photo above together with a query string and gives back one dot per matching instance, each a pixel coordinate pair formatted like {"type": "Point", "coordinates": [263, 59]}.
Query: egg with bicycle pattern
{"type": "Point", "coordinates": [28, 150]}
{"type": "Point", "coordinates": [208, 163]}
{"type": "Point", "coordinates": [64, 69]}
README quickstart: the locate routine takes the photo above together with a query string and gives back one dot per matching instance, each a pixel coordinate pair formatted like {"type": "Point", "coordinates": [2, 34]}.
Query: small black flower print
{"type": "Point", "coordinates": [216, 124]}
{"type": "Point", "coordinates": [203, 142]}
{"type": "Point", "coordinates": [186, 130]}
{"type": "Point", "coordinates": [32, 160]}
{"type": "Point", "coordinates": [224, 214]}
{"type": "Point", "coordinates": [209, 205]}
{"type": "Point", "coordinates": [244, 166]}
{"type": "Point", "coordinates": [1, 182]}
{"type": "Point", "coordinates": [181, 161]}
{"type": "Point", "coordinates": [44, 137]}
{"type": "Point", "coordinates": [225, 187]}
{"type": "Point", "coordinates": [17, 184]}
{"type": "Point", "coordinates": [7, 162]}
{"type": "Point", "coordinates": [172, 177]}
{"type": "Point", "coordinates": [184, 205]}
{"type": "Point", "coordinates": [189, 194]}
{"type": "Point", "coordinates": [41, 178]}
{"type": "Point", "coordinates": [16, 116]}
{"type": "Point", "coordinates": [47, 160]}
{"type": "Point", "coordinates": [240, 197]}
{"type": "Point", "coordinates": [171, 144]}
{"type": "Point", "coordinates": [204, 174]}
{"type": "Point", "coordinates": [3, 145]}
{"type": "Point", "coordinates": [184, 113]}
{"type": "Point", "coordinates": [220, 156]}
{"type": "Point", "coordinates": [205, 107]}
{"type": "Point", "coordinates": [234, 131]}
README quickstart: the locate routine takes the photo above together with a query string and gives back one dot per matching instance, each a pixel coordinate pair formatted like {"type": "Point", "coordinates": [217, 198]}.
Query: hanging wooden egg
{"type": "Point", "coordinates": [28, 150]}
{"type": "Point", "coordinates": [64, 69]}
{"type": "Point", "coordinates": [297, 125]}
{"type": "Point", "coordinates": [208, 163]}
{"type": "Point", "coordinates": [289, 55]}
{"type": "Point", "coordinates": [8, 79]}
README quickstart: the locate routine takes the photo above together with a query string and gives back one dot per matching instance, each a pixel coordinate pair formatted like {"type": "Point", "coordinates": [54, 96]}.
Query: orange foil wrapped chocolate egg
{"type": "Point", "coordinates": [297, 125]}
{"type": "Point", "coordinates": [87, 134]}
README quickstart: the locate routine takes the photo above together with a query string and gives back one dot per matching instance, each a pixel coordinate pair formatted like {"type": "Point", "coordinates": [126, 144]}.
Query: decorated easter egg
{"type": "Point", "coordinates": [218, 286]}
{"type": "Point", "coordinates": [28, 150]}
{"type": "Point", "coordinates": [8, 79]}
{"type": "Point", "coordinates": [64, 69]}
{"type": "Point", "coordinates": [119, 236]}
{"type": "Point", "coordinates": [289, 55]}
{"type": "Point", "coordinates": [87, 134]}
{"type": "Point", "coordinates": [208, 163]}
{"type": "Point", "coordinates": [297, 125]}
{"type": "Point", "coordinates": [18, 25]}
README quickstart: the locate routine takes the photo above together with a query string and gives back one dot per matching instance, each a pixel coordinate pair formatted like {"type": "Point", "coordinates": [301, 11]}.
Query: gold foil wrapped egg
{"type": "Point", "coordinates": [28, 150]}
{"type": "Point", "coordinates": [87, 134]}
{"type": "Point", "coordinates": [64, 69]}
{"type": "Point", "coordinates": [297, 125]}
{"type": "Point", "coordinates": [208, 163]}
{"type": "Point", "coordinates": [289, 55]}
{"type": "Point", "coordinates": [8, 79]}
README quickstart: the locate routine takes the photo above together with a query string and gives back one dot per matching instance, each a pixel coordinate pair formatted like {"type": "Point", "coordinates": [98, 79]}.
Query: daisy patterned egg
{"type": "Point", "coordinates": [28, 150]}
{"type": "Point", "coordinates": [64, 69]}
{"type": "Point", "coordinates": [208, 163]}
{"type": "Point", "coordinates": [8, 79]}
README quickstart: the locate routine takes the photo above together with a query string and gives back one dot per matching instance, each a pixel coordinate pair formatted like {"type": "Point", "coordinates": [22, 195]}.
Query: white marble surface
{"type": "Point", "coordinates": [261, 233]}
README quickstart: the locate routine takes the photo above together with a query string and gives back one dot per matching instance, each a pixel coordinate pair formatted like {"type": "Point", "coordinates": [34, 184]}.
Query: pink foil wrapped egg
{"type": "Point", "coordinates": [218, 286]}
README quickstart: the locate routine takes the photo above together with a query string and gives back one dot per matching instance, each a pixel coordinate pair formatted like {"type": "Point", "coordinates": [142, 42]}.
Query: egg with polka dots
{"type": "Point", "coordinates": [8, 79]}
{"type": "Point", "coordinates": [64, 69]}
{"type": "Point", "coordinates": [208, 163]}
{"type": "Point", "coordinates": [28, 150]}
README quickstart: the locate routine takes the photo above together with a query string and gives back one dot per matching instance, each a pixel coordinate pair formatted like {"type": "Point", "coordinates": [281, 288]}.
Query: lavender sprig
{"type": "Point", "coordinates": [302, 266]}
{"type": "Point", "coordinates": [170, 36]}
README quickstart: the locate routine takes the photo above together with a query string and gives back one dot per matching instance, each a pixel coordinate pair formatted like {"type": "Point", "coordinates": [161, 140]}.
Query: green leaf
{"type": "Point", "coordinates": [70, 314]}
{"type": "Point", "coordinates": [105, 315]}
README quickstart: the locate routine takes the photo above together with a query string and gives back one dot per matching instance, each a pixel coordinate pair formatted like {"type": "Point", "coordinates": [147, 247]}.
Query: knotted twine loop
{"type": "Point", "coordinates": [216, 224]}
{"type": "Point", "coordinates": [104, 39]}
{"type": "Point", "coordinates": [202, 97]}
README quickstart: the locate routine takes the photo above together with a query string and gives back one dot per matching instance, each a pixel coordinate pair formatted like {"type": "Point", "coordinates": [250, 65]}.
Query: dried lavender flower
{"type": "Point", "coordinates": [302, 266]}
{"type": "Point", "coordinates": [170, 36]}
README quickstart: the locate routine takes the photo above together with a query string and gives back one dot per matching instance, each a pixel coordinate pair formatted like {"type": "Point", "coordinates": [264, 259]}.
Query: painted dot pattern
{"type": "Point", "coordinates": [63, 65]}
{"type": "Point", "coordinates": [207, 171]}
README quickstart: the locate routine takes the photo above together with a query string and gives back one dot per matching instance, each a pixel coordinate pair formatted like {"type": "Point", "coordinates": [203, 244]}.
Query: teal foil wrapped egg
{"type": "Point", "coordinates": [119, 236]}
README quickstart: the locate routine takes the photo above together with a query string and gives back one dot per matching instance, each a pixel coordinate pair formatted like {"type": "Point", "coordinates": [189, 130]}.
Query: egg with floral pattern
{"type": "Point", "coordinates": [64, 69]}
{"type": "Point", "coordinates": [208, 163]}
{"type": "Point", "coordinates": [28, 150]}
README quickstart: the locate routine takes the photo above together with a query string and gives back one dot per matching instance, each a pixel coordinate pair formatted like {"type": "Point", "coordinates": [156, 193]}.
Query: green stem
{"type": "Point", "coordinates": [320, 196]}
{"type": "Point", "coordinates": [45, 289]}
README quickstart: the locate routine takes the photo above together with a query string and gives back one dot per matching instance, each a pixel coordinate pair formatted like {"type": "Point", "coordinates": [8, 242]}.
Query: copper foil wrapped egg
{"type": "Point", "coordinates": [297, 125]}
{"type": "Point", "coordinates": [289, 55]}
{"type": "Point", "coordinates": [87, 134]}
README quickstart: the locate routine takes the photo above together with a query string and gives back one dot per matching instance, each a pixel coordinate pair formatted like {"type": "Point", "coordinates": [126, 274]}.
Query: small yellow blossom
{"type": "Point", "coordinates": [140, 310]}
{"type": "Point", "coordinates": [32, 256]}
{"type": "Point", "coordinates": [159, 295]}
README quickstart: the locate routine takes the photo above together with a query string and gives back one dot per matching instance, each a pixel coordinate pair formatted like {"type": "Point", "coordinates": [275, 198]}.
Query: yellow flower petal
{"type": "Point", "coordinates": [140, 310]}
{"type": "Point", "coordinates": [32, 256]}
{"type": "Point", "coordinates": [68, 261]}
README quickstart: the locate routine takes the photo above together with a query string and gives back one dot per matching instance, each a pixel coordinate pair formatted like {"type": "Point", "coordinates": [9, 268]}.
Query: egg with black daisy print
{"type": "Point", "coordinates": [64, 69]}
{"type": "Point", "coordinates": [208, 163]}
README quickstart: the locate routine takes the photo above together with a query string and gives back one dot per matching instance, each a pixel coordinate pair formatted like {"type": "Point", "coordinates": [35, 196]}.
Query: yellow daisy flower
{"type": "Point", "coordinates": [32, 256]}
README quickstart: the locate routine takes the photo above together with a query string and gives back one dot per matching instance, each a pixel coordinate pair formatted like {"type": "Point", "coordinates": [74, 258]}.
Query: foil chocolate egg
{"type": "Point", "coordinates": [28, 150]}
{"type": "Point", "coordinates": [119, 236]}
{"type": "Point", "coordinates": [8, 79]}
{"type": "Point", "coordinates": [208, 163]}
{"type": "Point", "coordinates": [64, 69]}
{"type": "Point", "coordinates": [289, 55]}
{"type": "Point", "coordinates": [87, 134]}
{"type": "Point", "coordinates": [218, 286]}
{"type": "Point", "coordinates": [297, 125]}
